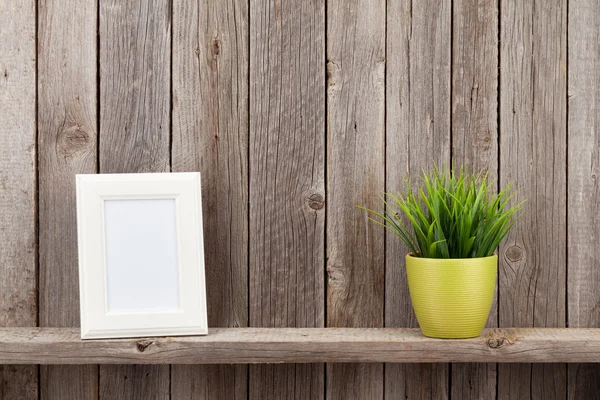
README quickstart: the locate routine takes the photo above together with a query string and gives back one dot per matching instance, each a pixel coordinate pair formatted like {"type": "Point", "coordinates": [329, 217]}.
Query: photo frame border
{"type": "Point", "coordinates": [96, 321]}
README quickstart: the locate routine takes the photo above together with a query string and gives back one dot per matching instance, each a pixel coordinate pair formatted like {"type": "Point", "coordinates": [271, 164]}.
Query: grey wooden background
{"type": "Point", "coordinates": [295, 112]}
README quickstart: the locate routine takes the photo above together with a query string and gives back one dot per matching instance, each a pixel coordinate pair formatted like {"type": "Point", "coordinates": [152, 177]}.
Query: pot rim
{"type": "Point", "coordinates": [495, 255]}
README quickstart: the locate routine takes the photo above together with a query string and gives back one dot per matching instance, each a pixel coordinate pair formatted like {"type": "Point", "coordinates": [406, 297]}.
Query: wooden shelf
{"type": "Point", "coordinates": [300, 345]}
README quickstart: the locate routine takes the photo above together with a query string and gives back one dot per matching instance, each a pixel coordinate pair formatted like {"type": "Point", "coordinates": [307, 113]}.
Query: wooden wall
{"type": "Point", "coordinates": [295, 112]}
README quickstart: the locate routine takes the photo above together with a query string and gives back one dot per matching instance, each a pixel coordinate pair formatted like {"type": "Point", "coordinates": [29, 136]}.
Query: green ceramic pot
{"type": "Point", "coordinates": [452, 298]}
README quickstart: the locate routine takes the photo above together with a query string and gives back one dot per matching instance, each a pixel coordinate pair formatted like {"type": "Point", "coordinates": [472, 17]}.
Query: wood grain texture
{"type": "Point", "coordinates": [532, 271]}
{"type": "Point", "coordinates": [18, 382]}
{"type": "Point", "coordinates": [302, 345]}
{"type": "Point", "coordinates": [355, 176]}
{"type": "Point", "coordinates": [417, 135]}
{"type": "Point", "coordinates": [224, 381]}
{"type": "Point", "coordinates": [210, 135]}
{"type": "Point", "coordinates": [287, 191]}
{"type": "Point", "coordinates": [67, 137]}
{"type": "Point", "coordinates": [18, 186]}
{"type": "Point", "coordinates": [134, 382]}
{"type": "Point", "coordinates": [583, 186]}
{"type": "Point", "coordinates": [475, 88]}
{"type": "Point", "coordinates": [475, 138]}
{"type": "Point", "coordinates": [356, 168]}
{"type": "Point", "coordinates": [135, 51]}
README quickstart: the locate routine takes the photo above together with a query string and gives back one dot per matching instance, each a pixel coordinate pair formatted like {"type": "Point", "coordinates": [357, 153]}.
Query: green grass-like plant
{"type": "Point", "coordinates": [451, 215]}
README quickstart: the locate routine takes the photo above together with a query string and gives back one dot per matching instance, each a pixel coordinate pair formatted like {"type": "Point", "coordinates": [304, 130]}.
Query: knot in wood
{"type": "Point", "coordinates": [497, 343]}
{"type": "Point", "coordinates": [142, 345]}
{"type": "Point", "coordinates": [72, 140]}
{"type": "Point", "coordinates": [316, 201]}
{"type": "Point", "coordinates": [331, 72]}
{"type": "Point", "coordinates": [484, 140]}
{"type": "Point", "coordinates": [334, 273]}
{"type": "Point", "coordinates": [514, 253]}
{"type": "Point", "coordinates": [216, 47]}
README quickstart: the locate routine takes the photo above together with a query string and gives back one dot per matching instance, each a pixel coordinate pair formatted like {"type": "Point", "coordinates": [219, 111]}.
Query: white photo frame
{"type": "Point", "coordinates": [141, 256]}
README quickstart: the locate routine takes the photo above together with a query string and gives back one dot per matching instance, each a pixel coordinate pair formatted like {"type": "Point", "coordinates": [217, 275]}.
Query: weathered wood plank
{"type": "Point", "coordinates": [135, 51]}
{"type": "Point", "coordinates": [475, 88]}
{"type": "Point", "coordinates": [532, 271]}
{"type": "Point", "coordinates": [67, 132]}
{"type": "Point", "coordinates": [302, 345]}
{"type": "Point", "coordinates": [583, 185]}
{"type": "Point", "coordinates": [475, 138]}
{"type": "Point", "coordinates": [18, 382]}
{"type": "Point", "coordinates": [418, 134]}
{"type": "Point", "coordinates": [134, 382]}
{"type": "Point", "coordinates": [210, 135]}
{"type": "Point", "coordinates": [287, 214]}
{"type": "Point", "coordinates": [355, 176]}
{"type": "Point", "coordinates": [223, 381]}
{"type": "Point", "coordinates": [18, 196]}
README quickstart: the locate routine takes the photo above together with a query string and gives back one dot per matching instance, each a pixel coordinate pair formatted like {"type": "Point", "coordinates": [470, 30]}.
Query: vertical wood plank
{"type": "Point", "coordinates": [584, 189]}
{"type": "Point", "coordinates": [67, 137]}
{"type": "Point", "coordinates": [287, 213]}
{"type": "Point", "coordinates": [475, 138]}
{"type": "Point", "coordinates": [532, 275]}
{"type": "Point", "coordinates": [355, 176]}
{"type": "Point", "coordinates": [18, 196]}
{"type": "Point", "coordinates": [475, 88]}
{"type": "Point", "coordinates": [210, 135]}
{"type": "Point", "coordinates": [418, 134]}
{"type": "Point", "coordinates": [135, 51]}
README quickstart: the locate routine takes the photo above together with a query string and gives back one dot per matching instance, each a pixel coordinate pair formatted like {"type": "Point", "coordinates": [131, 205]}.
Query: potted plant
{"type": "Point", "coordinates": [456, 223]}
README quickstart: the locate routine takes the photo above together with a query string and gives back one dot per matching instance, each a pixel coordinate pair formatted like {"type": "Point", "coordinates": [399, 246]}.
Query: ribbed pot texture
{"type": "Point", "coordinates": [452, 298]}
